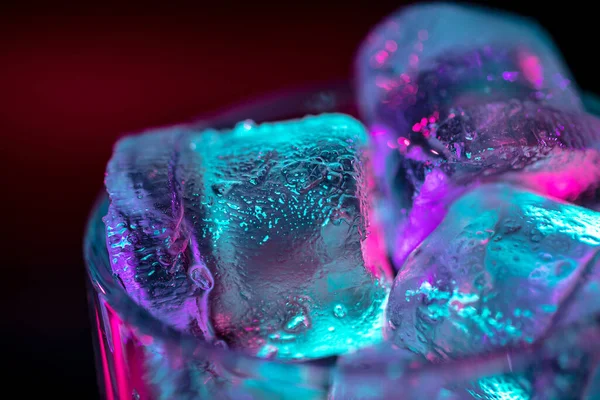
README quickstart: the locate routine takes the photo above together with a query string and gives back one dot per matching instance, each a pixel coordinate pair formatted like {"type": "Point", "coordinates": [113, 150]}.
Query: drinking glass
{"type": "Point", "coordinates": [139, 357]}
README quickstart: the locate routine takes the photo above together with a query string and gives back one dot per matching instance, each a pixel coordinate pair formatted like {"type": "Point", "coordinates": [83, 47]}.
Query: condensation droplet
{"type": "Point", "coordinates": [201, 277]}
{"type": "Point", "coordinates": [245, 126]}
{"type": "Point", "coordinates": [339, 311]}
{"type": "Point", "coordinates": [267, 351]}
{"type": "Point", "coordinates": [297, 322]}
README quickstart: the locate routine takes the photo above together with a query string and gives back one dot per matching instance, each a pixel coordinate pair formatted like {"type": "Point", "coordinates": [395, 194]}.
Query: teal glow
{"type": "Point", "coordinates": [442, 304]}
{"type": "Point", "coordinates": [285, 208]}
{"type": "Point", "coordinates": [577, 222]}
{"type": "Point", "coordinates": [502, 387]}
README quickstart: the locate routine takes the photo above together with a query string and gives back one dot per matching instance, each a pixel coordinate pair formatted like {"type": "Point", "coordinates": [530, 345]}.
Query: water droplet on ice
{"type": "Point", "coordinates": [201, 276]}
{"type": "Point", "coordinates": [297, 322]}
{"type": "Point", "coordinates": [339, 311]}
{"type": "Point", "coordinates": [267, 351]}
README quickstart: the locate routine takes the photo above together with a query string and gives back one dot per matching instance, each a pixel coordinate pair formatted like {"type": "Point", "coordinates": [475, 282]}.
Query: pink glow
{"type": "Point", "coordinates": [146, 340]}
{"type": "Point", "coordinates": [532, 69]}
{"type": "Point", "coordinates": [378, 132]}
{"type": "Point", "coordinates": [373, 247]}
{"type": "Point", "coordinates": [422, 125]}
{"type": "Point", "coordinates": [105, 371]}
{"type": "Point", "coordinates": [403, 141]}
{"type": "Point", "coordinates": [381, 56]}
{"type": "Point", "coordinates": [560, 186]}
{"type": "Point", "coordinates": [120, 363]}
{"type": "Point", "coordinates": [136, 363]}
{"type": "Point", "coordinates": [565, 174]}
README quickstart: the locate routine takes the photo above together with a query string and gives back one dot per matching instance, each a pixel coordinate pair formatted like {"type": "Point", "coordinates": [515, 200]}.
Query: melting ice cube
{"type": "Point", "coordinates": [505, 266]}
{"type": "Point", "coordinates": [455, 94]}
{"type": "Point", "coordinates": [260, 236]}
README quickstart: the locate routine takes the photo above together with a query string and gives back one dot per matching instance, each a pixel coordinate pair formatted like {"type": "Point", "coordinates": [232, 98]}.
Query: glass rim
{"type": "Point", "coordinates": [329, 97]}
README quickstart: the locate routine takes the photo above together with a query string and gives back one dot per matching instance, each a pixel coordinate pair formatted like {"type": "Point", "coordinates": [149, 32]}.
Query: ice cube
{"type": "Point", "coordinates": [149, 240]}
{"type": "Point", "coordinates": [427, 58]}
{"type": "Point", "coordinates": [560, 365]}
{"type": "Point", "coordinates": [467, 94]}
{"type": "Point", "coordinates": [505, 266]}
{"type": "Point", "coordinates": [288, 215]}
{"type": "Point", "coordinates": [259, 236]}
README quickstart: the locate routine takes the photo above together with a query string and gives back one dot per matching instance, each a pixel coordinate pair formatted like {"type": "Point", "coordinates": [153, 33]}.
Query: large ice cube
{"type": "Point", "coordinates": [148, 239]}
{"type": "Point", "coordinates": [259, 236]}
{"type": "Point", "coordinates": [505, 266]}
{"type": "Point", "coordinates": [466, 94]}
{"type": "Point", "coordinates": [427, 58]}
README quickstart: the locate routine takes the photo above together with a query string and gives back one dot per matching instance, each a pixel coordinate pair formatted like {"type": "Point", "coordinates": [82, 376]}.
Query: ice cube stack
{"type": "Point", "coordinates": [265, 237]}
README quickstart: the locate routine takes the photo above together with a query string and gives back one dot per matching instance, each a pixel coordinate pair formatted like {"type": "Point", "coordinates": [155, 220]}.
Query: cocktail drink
{"type": "Point", "coordinates": [431, 234]}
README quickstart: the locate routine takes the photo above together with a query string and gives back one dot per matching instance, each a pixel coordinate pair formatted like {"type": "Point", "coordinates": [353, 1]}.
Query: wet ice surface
{"type": "Point", "coordinates": [551, 152]}
{"type": "Point", "coordinates": [505, 266]}
{"type": "Point", "coordinates": [429, 57]}
{"type": "Point", "coordinates": [147, 238]}
{"type": "Point", "coordinates": [561, 365]}
{"type": "Point", "coordinates": [258, 237]}
{"type": "Point", "coordinates": [465, 94]}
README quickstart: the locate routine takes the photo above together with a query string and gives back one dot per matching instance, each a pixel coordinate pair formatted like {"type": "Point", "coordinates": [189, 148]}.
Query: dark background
{"type": "Point", "coordinates": [73, 77]}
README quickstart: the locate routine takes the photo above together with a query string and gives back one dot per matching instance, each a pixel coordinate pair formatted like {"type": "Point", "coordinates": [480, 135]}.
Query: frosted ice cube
{"type": "Point", "coordinates": [505, 266]}
{"type": "Point", "coordinates": [149, 241]}
{"type": "Point", "coordinates": [287, 216]}
{"type": "Point", "coordinates": [466, 94]}
{"type": "Point", "coordinates": [259, 236]}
